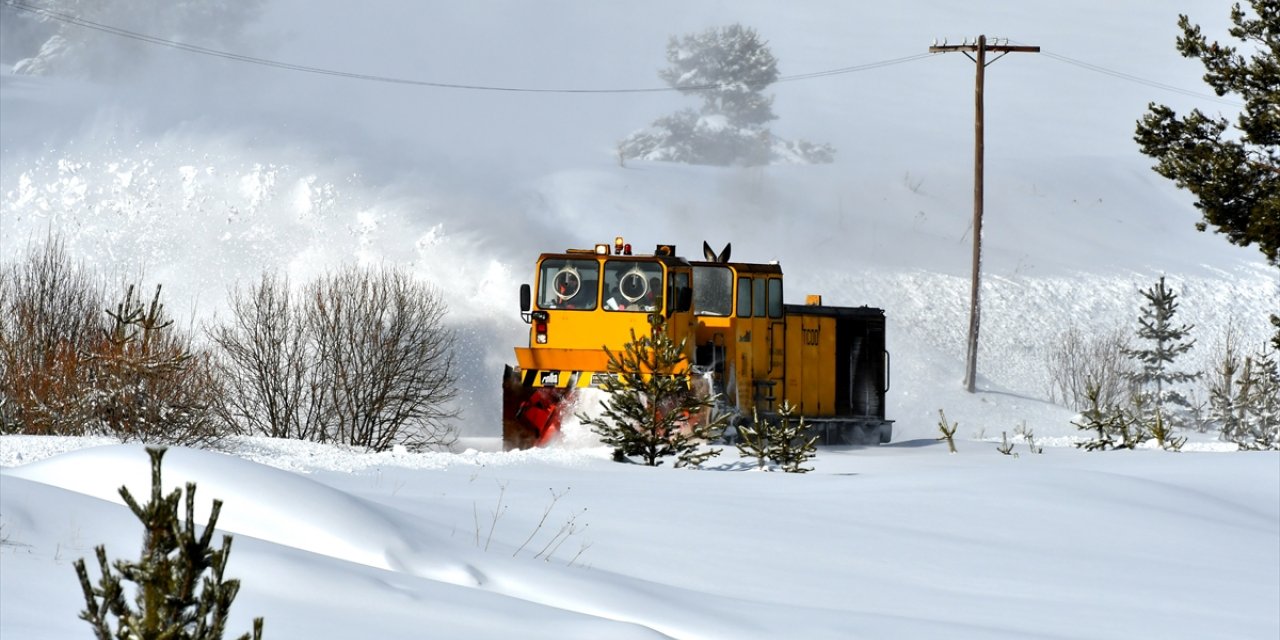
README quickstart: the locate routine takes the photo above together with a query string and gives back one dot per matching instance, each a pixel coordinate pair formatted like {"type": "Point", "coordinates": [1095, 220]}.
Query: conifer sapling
{"type": "Point", "coordinates": [181, 592]}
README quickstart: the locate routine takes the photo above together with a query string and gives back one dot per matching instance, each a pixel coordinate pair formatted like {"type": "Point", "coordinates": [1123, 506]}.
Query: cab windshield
{"type": "Point", "coordinates": [568, 284]}
{"type": "Point", "coordinates": [632, 286]}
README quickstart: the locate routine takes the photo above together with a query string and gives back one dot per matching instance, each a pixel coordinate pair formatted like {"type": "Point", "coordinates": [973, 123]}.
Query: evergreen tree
{"type": "Point", "coordinates": [1234, 175]}
{"type": "Point", "coordinates": [948, 431]}
{"type": "Point", "coordinates": [786, 444]}
{"type": "Point", "coordinates": [1163, 343]}
{"type": "Point", "coordinates": [148, 385]}
{"type": "Point", "coordinates": [1226, 408]}
{"type": "Point", "coordinates": [1114, 428]}
{"type": "Point", "coordinates": [728, 68]}
{"type": "Point", "coordinates": [1258, 404]}
{"type": "Point", "coordinates": [173, 597]}
{"type": "Point", "coordinates": [651, 412]}
{"type": "Point", "coordinates": [1162, 432]}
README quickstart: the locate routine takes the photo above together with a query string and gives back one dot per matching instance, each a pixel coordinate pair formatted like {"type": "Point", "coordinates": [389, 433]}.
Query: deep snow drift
{"type": "Point", "coordinates": [896, 541]}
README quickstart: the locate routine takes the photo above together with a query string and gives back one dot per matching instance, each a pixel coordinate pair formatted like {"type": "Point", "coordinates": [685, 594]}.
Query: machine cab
{"type": "Point", "coordinates": [585, 299]}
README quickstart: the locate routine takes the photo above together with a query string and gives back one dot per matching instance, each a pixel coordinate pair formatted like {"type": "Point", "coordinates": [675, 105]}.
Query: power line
{"type": "Point", "coordinates": [853, 69]}
{"type": "Point", "coordinates": [191, 48]}
{"type": "Point", "coordinates": [1139, 79]}
{"type": "Point", "coordinates": [228, 55]}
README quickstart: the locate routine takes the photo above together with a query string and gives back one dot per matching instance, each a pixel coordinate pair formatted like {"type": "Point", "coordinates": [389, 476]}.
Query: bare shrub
{"type": "Point", "coordinates": [266, 362]}
{"type": "Point", "coordinates": [50, 315]}
{"type": "Point", "coordinates": [385, 356]}
{"type": "Point", "coordinates": [359, 357]}
{"type": "Point", "coordinates": [1082, 360]}
{"type": "Point", "coordinates": [69, 366]}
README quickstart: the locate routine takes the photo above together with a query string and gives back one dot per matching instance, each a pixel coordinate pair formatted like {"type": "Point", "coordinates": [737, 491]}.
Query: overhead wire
{"type": "Point", "coordinates": [1089, 66]}
{"type": "Point", "coordinates": [228, 55]}
{"type": "Point", "coordinates": [89, 24]}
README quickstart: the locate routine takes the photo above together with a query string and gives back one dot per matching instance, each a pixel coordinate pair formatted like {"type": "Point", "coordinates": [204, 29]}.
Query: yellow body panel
{"type": "Point", "coordinates": [825, 366]}
{"type": "Point", "coordinates": [810, 369]}
{"type": "Point", "coordinates": [561, 359]}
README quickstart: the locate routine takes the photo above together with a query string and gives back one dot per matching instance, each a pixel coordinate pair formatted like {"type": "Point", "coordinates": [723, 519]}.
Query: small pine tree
{"type": "Point", "coordinates": [948, 431]}
{"type": "Point", "coordinates": [174, 598]}
{"type": "Point", "coordinates": [148, 384]}
{"type": "Point", "coordinates": [1225, 408]}
{"type": "Point", "coordinates": [1164, 435]}
{"type": "Point", "coordinates": [1164, 342]}
{"type": "Point", "coordinates": [1114, 428]}
{"type": "Point", "coordinates": [787, 445]}
{"type": "Point", "coordinates": [651, 412]}
{"type": "Point", "coordinates": [1258, 393]}
{"type": "Point", "coordinates": [1005, 447]}
{"type": "Point", "coordinates": [753, 440]}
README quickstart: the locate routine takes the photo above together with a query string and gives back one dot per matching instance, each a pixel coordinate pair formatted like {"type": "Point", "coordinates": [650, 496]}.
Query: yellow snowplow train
{"type": "Point", "coordinates": [829, 363]}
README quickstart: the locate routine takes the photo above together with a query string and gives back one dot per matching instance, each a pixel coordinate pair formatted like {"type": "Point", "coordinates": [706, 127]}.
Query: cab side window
{"type": "Point", "coordinates": [775, 297]}
{"type": "Point", "coordinates": [712, 291]}
{"type": "Point", "coordinates": [676, 282]}
{"type": "Point", "coordinates": [759, 301]}
{"type": "Point", "coordinates": [744, 297]}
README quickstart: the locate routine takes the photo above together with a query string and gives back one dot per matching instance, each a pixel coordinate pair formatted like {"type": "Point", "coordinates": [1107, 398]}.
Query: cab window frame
{"type": "Point", "coordinates": [586, 298]}
{"type": "Point", "coordinates": [743, 308]}
{"type": "Point", "coordinates": [774, 294]}
{"type": "Point", "coordinates": [619, 270]}
{"type": "Point", "coordinates": [713, 291]}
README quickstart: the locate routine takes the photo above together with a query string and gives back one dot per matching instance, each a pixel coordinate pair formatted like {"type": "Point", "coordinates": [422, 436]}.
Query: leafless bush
{"type": "Point", "coordinates": [50, 314]}
{"type": "Point", "coordinates": [69, 366]}
{"type": "Point", "coordinates": [268, 364]}
{"type": "Point", "coordinates": [1081, 358]}
{"type": "Point", "coordinates": [359, 357]}
{"type": "Point", "coordinates": [385, 356]}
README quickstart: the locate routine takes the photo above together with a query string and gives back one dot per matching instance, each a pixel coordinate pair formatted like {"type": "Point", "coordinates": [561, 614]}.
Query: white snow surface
{"type": "Point", "coordinates": [201, 172]}
{"type": "Point", "coordinates": [902, 540]}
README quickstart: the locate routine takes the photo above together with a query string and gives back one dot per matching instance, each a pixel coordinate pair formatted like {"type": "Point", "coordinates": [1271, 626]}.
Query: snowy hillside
{"type": "Point", "coordinates": [202, 172]}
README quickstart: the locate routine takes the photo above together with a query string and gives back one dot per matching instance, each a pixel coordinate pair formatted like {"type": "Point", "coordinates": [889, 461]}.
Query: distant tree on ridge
{"type": "Point", "coordinates": [728, 68]}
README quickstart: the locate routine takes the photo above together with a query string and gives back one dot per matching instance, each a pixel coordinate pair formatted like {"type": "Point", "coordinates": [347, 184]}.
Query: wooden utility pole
{"type": "Point", "coordinates": [979, 49]}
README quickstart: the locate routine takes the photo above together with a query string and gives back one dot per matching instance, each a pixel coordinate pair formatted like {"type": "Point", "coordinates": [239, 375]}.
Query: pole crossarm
{"type": "Point", "coordinates": [997, 48]}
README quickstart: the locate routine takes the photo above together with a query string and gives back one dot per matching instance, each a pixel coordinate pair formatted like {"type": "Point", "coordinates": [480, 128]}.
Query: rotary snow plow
{"type": "Point", "coordinates": [829, 363]}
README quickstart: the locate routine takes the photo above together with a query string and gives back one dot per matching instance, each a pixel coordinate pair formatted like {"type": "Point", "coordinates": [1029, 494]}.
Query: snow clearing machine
{"type": "Point", "coordinates": [829, 363]}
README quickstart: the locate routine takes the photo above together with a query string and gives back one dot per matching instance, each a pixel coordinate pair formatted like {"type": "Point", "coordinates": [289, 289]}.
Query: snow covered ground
{"type": "Point", "coordinates": [900, 541]}
{"type": "Point", "coordinates": [203, 172]}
